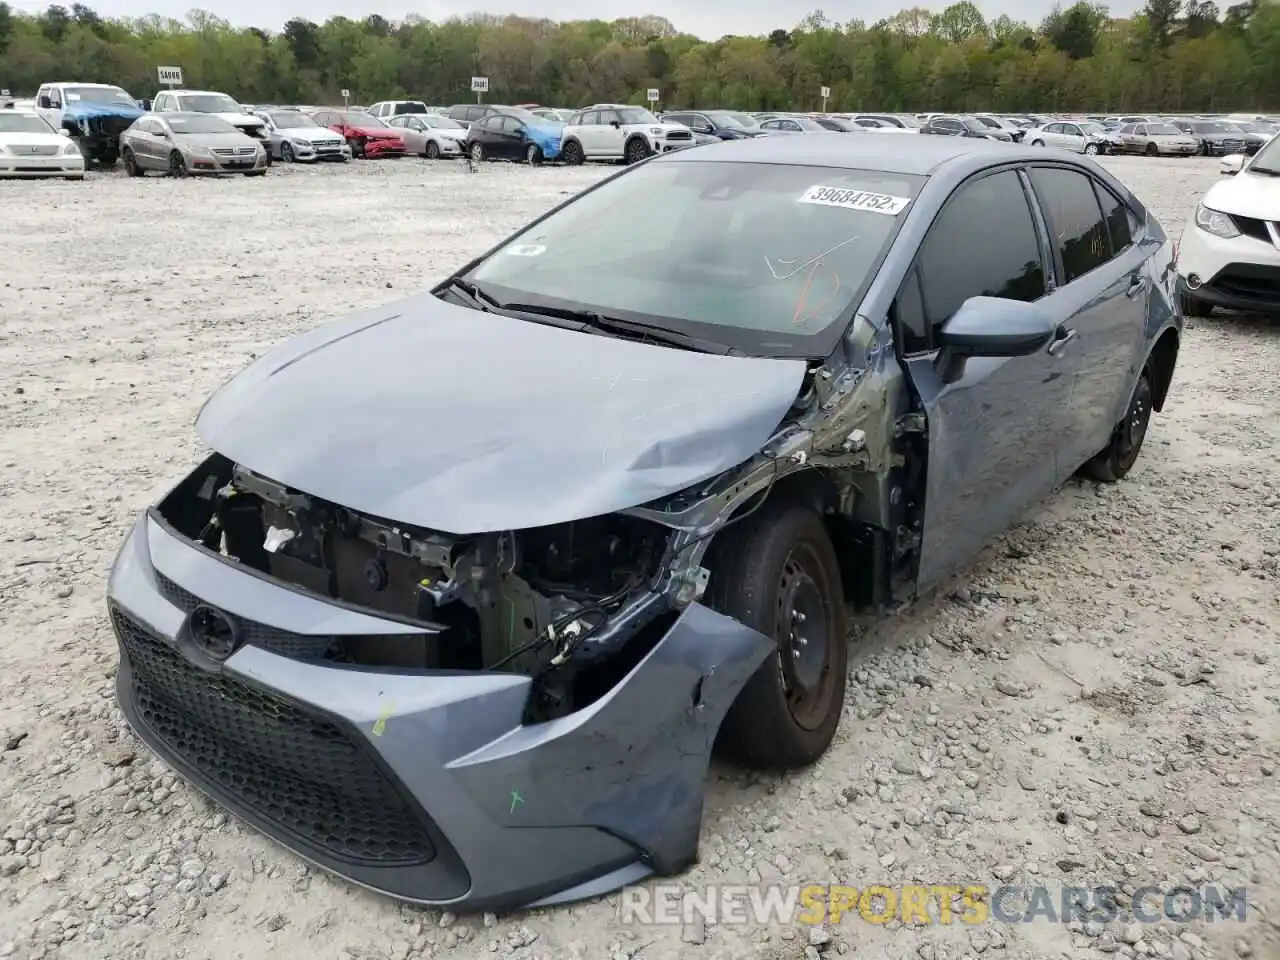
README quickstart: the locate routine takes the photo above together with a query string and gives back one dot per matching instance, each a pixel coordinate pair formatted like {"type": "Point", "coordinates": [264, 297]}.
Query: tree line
{"type": "Point", "coordinates": [1172, 56]}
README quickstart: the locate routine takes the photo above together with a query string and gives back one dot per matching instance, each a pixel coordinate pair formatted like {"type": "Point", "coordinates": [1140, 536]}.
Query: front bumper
{"type": "Point", "coordinates": [71, 165]}
{"type": "Point", "coordinates": [197, 164]}
{"type": "Point", "coordinates": [305, 151]}
{"type": "Point", "coordinates": [1242, 273]}
{"type": "Point", "coordinates": [384, 148]}
{"type": "Point", "coordinates": [450, 148]}
{"type": "Point", "coordinates": [422, 785]}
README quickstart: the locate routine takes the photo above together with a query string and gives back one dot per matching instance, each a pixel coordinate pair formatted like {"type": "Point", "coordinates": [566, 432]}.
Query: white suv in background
{"type": "Point", "coordinates": [1229, 252]}
{"type": "Point", "coordinates": [386, 109]}
{"type": "Point", "coordinates": [614, 131]}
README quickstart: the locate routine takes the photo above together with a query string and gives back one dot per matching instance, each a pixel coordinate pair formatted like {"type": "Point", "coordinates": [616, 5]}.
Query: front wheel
{"type": "Point", "coordinates": [637, 150]}
{"type": "Point", "coordinates": [131, 163]}
{"type": "Point", "coordinates": [776, 571]}
{"type": "Point", "coordinates": [533, 155]}
{"type": "Point", "coordinates": [433, 150]}
{"type": "Point", "coordinates": [286, 153]}
{"type": "Point", "coordinates": [1091, 149]}
{"type": "Point", "coordinates": [1120, 454]}
{"type": "Point", "coordinates": [1152, 150]}
{"type": "Point", "coordinates": [477, 152]}
{"type": "Point", "coordinates": [1037, 143]}
{"type": "Point", "coordinates": [177, 165]}
{"type": "Point", "coordinates": [573, 154]}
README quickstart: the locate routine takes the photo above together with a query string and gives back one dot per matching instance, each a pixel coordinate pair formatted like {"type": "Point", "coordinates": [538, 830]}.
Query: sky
{"type": "Point", "coordinates": [709, 19]}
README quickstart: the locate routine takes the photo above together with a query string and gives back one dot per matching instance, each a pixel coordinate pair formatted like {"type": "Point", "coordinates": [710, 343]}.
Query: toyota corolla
{"type": "Point", "coordinates": [470, 584]}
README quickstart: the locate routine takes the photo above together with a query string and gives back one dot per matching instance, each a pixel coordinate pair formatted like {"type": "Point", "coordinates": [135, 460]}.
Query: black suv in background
{"type": "Point", "coordinates": [724, 124]}
{"type": "Point", "coordinates": [1216, 139]}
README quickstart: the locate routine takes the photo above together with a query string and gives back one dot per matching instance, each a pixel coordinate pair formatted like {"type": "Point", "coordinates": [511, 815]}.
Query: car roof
{"type": "Point", "coordinates": [197, 93]}
{"type": "Point", "coordinates": [905, 155]}
{"type": "Point", "coordinates": [184, 115]}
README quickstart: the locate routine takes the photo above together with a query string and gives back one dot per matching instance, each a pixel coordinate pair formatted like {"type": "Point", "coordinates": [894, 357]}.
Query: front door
{"type": "Point", "coordinates": [1102, 292]}
{"type": "Point", "coordinates": [612, 136]}
{"type": "Point", "coordinates": [994, 430]}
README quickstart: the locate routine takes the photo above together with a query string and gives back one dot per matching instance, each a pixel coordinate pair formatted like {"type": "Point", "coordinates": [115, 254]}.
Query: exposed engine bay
{"type": "Point", "coordinates": [525, 601]}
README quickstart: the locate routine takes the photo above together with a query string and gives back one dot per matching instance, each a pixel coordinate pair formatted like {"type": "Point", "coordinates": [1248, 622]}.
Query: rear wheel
{"type": "Point", "coordinates": [1120, 454]}
{"type": "Point", "coordinates": [776, 571]}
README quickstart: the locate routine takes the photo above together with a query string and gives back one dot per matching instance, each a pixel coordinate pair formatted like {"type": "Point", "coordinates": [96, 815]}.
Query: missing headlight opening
{"type": "Point", "coordinates": [526, 601]}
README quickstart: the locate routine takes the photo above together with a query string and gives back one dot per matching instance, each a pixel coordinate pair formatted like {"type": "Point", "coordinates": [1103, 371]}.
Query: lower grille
{"type": "Point", "coordinates": [1249, 281]}
{"type": "Point", "coordinates": [679, 135]}
{"type": "Point", "coordinates": [234, 151]}
{"type": "Point", "coordinates": [40, 150]}
{"type": "Point", "coordinates": [285, 763]}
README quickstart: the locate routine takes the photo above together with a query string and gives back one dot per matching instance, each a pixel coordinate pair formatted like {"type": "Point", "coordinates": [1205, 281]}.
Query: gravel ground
{"type": "Point", "coordinates": [1093, 702]}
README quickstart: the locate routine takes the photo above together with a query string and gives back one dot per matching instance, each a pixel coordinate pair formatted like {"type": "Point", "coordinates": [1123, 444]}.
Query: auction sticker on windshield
{"type": "Point", "coordinates": [856, 200]}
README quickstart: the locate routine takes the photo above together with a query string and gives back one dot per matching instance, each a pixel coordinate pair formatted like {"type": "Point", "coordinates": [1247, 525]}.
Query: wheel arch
{"type": "Point", "coordinates": [1162, 359]}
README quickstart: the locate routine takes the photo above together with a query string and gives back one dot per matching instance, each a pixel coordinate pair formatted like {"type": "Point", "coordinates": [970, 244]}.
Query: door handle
{"type": "Point", "coordinates": [1060, 340]}
{"type": "Point", "coordinates": [1137, 283]}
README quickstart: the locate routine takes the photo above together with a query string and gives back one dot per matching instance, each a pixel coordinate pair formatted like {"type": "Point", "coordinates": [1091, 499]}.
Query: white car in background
{"type": "Point", "coordinates": [429, 135]}
{"type": "Point", "coordinates": [386, 109]}
{"type": "Point", "coordinates": [614, 131]}
{"type": "Point", "coordinates": [29, 147]}
{"type": "Point", "coordinates": [1229, 252]}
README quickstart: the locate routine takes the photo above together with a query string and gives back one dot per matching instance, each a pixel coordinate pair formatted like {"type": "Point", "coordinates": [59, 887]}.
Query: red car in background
{"type": "Point", "coordinates": [365, 134]}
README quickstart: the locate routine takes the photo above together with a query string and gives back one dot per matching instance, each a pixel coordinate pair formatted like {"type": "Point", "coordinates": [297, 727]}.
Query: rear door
{"type": "Point", "coordinates": [1101, 291]}
{"type": "Point", "coordinates": [994, 430]}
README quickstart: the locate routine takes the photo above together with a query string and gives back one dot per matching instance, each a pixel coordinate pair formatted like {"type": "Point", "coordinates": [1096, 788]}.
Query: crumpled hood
{"type": "Point", "coordinates": [467, 422]}
{"type": "Point", "coordinates": [1246, 194]}
{"type": "Point", "coordinates": [78, 110]}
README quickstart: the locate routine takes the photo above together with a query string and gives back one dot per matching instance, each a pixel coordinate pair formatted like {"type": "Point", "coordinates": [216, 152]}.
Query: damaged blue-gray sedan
{"type": "Point", "coordinates": [471, 584]}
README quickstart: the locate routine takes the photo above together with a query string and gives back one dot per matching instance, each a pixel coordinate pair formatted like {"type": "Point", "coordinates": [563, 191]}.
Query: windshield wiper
{"type": "Point", "coordinates": [627, 328]}
{"type": "Point", "coordinates": [479, 299]}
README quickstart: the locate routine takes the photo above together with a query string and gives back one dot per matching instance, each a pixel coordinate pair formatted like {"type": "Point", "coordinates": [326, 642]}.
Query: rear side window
{"type": "Point", "coordinates": [1120, 219]}
{"type": "Point", "coordinates": [954, 265]}
{"type": "Point", "coordinates": [1075, 222]}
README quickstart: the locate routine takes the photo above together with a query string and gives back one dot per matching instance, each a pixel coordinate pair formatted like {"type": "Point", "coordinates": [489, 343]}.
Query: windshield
{"type": "Point", "coordinates": [1162, 130]}
{"type": "Point", "coordinates": [1093, 129]}
{"type": "Point", "coordinates": [520, 113]}
{"type": "Point", "coordinates": [292, 120]}
{"type": "Point", "coordinates": [723, 118]}
{"type": "Point", "coordinates": [745, 120]}
{"type": "Point", "coordinates": [988, 122]}
{"type": "Point", "coordinates": [763, 257]}
{"type": "Point", "coordinates": [975, 125]}
{"type": "Point", "coordinates": [209, 103]}
{"type": "Point", "coordinates": [1267, 160]}
{"type": "Point", "coordinates": [185, 125]}
{"type": "Point", "coordinates": [22, 123]}
{"type": "Point", "coordinates": [355, 118]}
{"type": "Point", "coordinates": [637, 115]}
{"type": "Point", "coordinates": [442, 123]}
{"type": "Point", "coordinates": [807, 123]}
{"type": "Point", "coordinates": [99, 95]}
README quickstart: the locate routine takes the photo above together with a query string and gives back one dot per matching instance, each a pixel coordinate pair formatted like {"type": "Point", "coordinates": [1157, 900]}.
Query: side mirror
{"type": "Point", "coordinates": [45, 103]}
{"type": "Point", "coordinates": [615, 124]}
{"type": "Point", "coordinates": [1232, 164]}
{"type": "Point", "coordinates": [996, 327]}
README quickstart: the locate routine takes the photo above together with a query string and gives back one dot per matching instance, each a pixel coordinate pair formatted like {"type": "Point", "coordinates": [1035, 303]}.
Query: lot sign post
{"type": "Point", "coordinates": [479, 86]}
{"type": "Point", "coordinates": [170, 76]}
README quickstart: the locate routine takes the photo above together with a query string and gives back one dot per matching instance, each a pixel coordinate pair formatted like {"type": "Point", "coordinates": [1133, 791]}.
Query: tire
{"type": "Point", "coordinates": [636, 151]}
{"type": "Point", "coordinates": [286, 153]}
{"type": "Point", "coordinates": [357, 150]}
{"type": "Point", "coordinates": [177, 166]}
{"type": "Point", "coordinates": [433, 150]}
{"type": "Point", "coordinates": [1120, 454]}
{"type": "Point", "coordinates": [573, 154]}
{"type": "Point", "coordinates": [131, 163]}
{"type": "Point", "coordinates": [476, 152]}
{"type": "Point", "coordinates": [533, 155]}
{"type": "Point", "coordinates": [1191, 307]}
{"type": "Point", "coordinates": [1153, 150]}
{"type": "Point", "coordinates": [1091, 149]}
{"type": "Point", "coordinates": [255, 173]}
{"type": "Point", "coordinates": [1037, 143]}
{"type": "Point", "coordinates": [767, 570]}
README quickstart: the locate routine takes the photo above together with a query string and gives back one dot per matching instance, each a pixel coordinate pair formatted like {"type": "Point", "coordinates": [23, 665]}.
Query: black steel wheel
{"type": "Point", "coordinates": [777, 572]}
{"type": "Point", "coordinates": [1114, 462]}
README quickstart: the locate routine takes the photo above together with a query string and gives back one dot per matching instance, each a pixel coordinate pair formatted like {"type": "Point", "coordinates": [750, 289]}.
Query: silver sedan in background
{"type": "Point", "coordinates": [292, 136]}
{"type": "Point", "coordinates": [190, 143]}
{"type": "Point", "coordinates": [429, 135]}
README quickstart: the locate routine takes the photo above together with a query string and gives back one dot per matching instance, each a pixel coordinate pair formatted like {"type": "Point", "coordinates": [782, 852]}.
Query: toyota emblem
{"type": "Point", "coordinates": [213, 632]}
